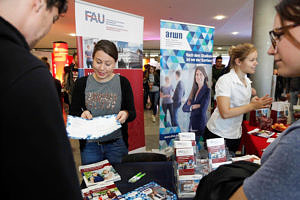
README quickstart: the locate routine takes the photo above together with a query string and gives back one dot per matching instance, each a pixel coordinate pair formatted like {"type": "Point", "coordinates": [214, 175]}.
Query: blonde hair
{"type": "Point", "coordinates": [241, 51]}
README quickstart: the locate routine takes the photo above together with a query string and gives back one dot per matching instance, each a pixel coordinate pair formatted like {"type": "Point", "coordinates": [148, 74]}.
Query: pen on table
{"type": "Point", "coordinates": [136, 177]}
{"type": "Point", "coordinates": [140, 176]}
{"type": "Point", "coordinates": [133, 179]}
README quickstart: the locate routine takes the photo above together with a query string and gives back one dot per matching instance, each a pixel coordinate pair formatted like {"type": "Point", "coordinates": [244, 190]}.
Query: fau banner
{"type": "Point", "coordinates": [93, 23]}
{"type": "Point", "coordinates": [185, 78]}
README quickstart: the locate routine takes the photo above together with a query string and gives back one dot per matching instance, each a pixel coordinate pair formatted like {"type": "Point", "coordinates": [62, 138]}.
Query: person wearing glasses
{"type": "Point", "coordinates": [279, 175]}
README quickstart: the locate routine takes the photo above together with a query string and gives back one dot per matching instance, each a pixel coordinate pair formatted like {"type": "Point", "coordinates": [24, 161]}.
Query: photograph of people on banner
{"type": "Point", "coordinates": [185, 78]}
{"type": "Point", "coordinates": [185, 96]}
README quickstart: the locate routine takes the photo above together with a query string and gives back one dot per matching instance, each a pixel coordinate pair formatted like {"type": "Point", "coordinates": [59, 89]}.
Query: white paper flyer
{"type": "Point", "coordinates": [79, 128]}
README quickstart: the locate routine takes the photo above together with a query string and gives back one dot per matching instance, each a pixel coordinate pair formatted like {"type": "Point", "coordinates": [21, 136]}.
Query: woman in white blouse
{"type": "Point", "coordinates": [233, 94]}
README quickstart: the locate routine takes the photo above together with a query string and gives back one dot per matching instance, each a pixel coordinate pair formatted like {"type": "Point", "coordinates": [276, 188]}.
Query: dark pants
{"type": "Point", "coordinates": [89, 64]}
{"type": "Point", "coordinates": [146, 94]}
{"type": "Point", "coordinates": [169, 107]}
{"type": "Point", "coordinates": [231, 144]}
{"type": "Point", "coordinates": [154, 96]}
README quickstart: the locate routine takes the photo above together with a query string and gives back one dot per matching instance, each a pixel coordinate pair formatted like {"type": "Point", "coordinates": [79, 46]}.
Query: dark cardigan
{"type": "Point", "coordinates": [78, 103]}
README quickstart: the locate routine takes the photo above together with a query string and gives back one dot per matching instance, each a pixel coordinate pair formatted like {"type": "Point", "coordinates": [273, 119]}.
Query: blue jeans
{"type": "Point", "coordinates": [166, 107]}
{"type": "Point", "coordinates": [95, 152]}
{"type": "Point", "coordinates": [176, 106]}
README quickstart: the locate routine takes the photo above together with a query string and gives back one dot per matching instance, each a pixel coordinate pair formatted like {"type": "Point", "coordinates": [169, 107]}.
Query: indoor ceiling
{"type": "Point", "coordinates": [238, 14]}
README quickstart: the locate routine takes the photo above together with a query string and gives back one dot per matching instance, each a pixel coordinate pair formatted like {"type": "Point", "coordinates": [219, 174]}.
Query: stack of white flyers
{"type": "Point", "coordinates": [79, 128]}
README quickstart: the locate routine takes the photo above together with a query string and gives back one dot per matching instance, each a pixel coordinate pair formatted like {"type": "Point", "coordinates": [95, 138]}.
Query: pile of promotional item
{"type": "Point", "coordinates": [100, 180]}
{"type": "Point", "coordinates": [190, 167]}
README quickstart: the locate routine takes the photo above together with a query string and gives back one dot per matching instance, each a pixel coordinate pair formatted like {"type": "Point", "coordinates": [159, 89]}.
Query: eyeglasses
{"type": "Point", "coordinates": [278, 32]}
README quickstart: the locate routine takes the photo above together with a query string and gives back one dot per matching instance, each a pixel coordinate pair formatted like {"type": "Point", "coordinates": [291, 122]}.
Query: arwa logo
{"type": "Point", "coordinates": [174, 35]}
{"type": "Point", "coordinates": [94, 17]}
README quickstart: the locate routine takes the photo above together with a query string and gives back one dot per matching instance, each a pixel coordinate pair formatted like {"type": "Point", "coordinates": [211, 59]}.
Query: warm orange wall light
{"type": "Point", "coordinates": [59, 59]}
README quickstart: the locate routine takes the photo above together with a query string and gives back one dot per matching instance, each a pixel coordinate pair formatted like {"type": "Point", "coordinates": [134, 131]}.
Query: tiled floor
{"type": "Point", "coordinates": [151, 138]}
{"type": "Point", "coordinates": [151, 131]}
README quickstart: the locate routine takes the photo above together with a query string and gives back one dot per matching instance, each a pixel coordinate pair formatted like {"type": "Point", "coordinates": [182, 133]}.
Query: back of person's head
{"type": "Point", "coordinates": [107, 47]}
{"type": "Point", "coordinates": [74, 69]}
{"type": "Point", "coordinates": [178, 73]}
{"type": "Point", "coordinates": [167, 79]}
{"type": "Point", "coordinates": [241, 51]}
{"type": "Point", "coordinates": [218, 58]}
{"type": "Point", "coordinates": [75, 59]}
{"type": "Point", "coordinates": [289, 10]}
{"type": "Point", "coordinates": [146, 66]}
{"type": "Point", "coordinates": [62, 5]}
{"type": "Point", "coordinates": [45, 60]}
{"type": "Point", "coordinates": [74, 54]}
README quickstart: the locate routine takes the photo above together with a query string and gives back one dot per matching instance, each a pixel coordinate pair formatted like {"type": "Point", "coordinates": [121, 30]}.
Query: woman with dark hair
{"type": "Point", "coordinates": [104, 93]}
{"type": "Point", "coordinates": [197, 102]}
{"type": "Point", "coordinates": [153, 80]}
{"type": "Point", "coordinates": [279, 175]}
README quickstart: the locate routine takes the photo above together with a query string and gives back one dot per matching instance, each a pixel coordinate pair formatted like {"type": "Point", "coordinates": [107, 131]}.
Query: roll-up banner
{"type": "Point", "coordinates": [186, 64]}
{"type": "Point", "coordinates": [95, 22]}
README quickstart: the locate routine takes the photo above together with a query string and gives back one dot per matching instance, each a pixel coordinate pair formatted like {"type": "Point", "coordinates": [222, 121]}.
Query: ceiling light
{"type": "Point", "coordinates": [72, 34]}
{"type": "Point", "coordinates": [219, 48]}
{"type": "Point", "coordinates": [235, 33]}
{"type": "Point", "coordinates": [219, 17]}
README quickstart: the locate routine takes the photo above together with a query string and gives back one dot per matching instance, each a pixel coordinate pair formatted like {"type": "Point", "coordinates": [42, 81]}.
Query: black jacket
{"type": "Point", "coordinates": [293, 84]}
{"type": "Point", "coordinates": [36, 157]}
{"type": "Point", "coordinates": [224, 181]}
{"type": "Point", "coordinates": [78, 103]}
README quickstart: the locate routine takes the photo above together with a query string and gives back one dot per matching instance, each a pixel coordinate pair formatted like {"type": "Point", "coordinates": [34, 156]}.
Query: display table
{"type": "Point", "coordinates": [160, 172]}
{"type": "Point", "coordinates": [253, 144]}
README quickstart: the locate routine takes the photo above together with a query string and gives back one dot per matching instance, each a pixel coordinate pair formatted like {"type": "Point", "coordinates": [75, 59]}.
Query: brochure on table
{"type": "Point", "coordinates": [98, 173]}
{"type": "Point", "coordinates": [149, 191]}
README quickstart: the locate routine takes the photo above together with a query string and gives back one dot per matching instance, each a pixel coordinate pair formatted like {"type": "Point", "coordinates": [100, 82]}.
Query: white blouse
{"type": "Point", "coordinates": [229, 85]}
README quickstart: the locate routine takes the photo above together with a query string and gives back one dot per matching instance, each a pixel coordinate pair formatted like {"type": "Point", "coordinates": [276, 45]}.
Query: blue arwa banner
{"type": "Point", "coordinates": [185, 79]}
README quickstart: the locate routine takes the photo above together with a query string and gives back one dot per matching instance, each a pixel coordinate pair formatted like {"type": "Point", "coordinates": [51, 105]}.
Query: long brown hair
{"type": "Point", "coordinates": [148, 71]}
{"type": "Point", "coordinates": [289, 10]}
{"type": "Point", "coordinates": [195, 85]}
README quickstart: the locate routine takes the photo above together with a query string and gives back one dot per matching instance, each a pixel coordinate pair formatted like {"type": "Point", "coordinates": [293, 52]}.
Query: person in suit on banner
{"type": "Point", "coordinates": [198, 102]}
{"type": "Point", "coordinates": [177, 97]}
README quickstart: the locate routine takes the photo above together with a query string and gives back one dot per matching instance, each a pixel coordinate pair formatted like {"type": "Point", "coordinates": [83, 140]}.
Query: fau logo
{"type": "Point", "coordinates": [94, 17]}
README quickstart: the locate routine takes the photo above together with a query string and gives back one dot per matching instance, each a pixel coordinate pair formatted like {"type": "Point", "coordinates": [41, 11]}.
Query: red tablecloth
{"type": "Point", "coordinates": [253, 144]}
